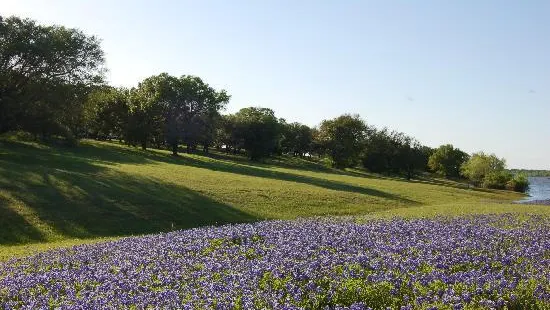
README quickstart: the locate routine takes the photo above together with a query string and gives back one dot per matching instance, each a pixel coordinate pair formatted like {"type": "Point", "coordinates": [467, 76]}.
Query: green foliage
{"type": "Point", "coordinates": [518, 183]}
{"type": "Point", "coordinates": [379, 151]}
{"type": "Point", "coordinates": [531, 173]}
{"type": "Point", "coordinates": [177, 110]}
{"type": "Point", "coordinates": [480, 165]}
{"type": "Point", "coordinates": [343, 138]}
{"type": "Point", "coordinates": [257, 129]}
{"type": "Point", "coordinates": [393, 152]}
{"type": "Point", "coordinates": [45, 75]}
{"type": "Point", "coordinates": [496, 179]}
{"type": "Point", "coordinates": [106, 113]}
{"type": "Point", "coordinates": [376, 295]}
{"type": "Point", "coordinates": [296, 139]}
{"type": "Point", "coordinates": [489, 171]}
{"type": "Point", "coordinates": [524, 297]}
{"type": "Point", "coordinates": [162, 110]}
{"type": "Point", "coordinates": [447, 160]}
{"type": "Point", "coordinates": [227, 135]}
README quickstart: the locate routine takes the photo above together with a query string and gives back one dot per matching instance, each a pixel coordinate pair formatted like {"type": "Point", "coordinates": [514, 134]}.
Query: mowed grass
{"type": "Point", "coordinates": [54, 196]}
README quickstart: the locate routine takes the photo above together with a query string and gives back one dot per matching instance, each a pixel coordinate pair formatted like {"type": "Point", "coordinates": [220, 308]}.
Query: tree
{"type": "Point", "coordinates": [258, 129]}
{"type": "Point", "coordinates": [410, 156]}
{"type": "Point", "coordinates": [447, 160]}
{"type": "Point", "coordinates": [106, 113]}
{"type": "Point", "coordinates": [378, 151]}
{"type": "Point", "coordinates": [296, 138]}
{"type": "Point", "coordinates": [393, 152]}
{"type": "Point", "coordinates": [317, 147]}
{"type": "Point", "coordinates": [481, 165]}
{"type": "Point", "coordinates": [343, 139]}
{"type": "Point", "coordinates": [182, 108]}
{"type": "Point", "coordinates": [45, 75]}
{"type": "Point", "coordinates": [227, 134]}
{"type": "Point", "coordinates": [202, 104]}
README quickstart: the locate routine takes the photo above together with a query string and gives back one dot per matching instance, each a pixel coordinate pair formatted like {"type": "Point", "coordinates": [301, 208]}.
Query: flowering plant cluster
{"type": "Point", "coordinates": [493, 261]}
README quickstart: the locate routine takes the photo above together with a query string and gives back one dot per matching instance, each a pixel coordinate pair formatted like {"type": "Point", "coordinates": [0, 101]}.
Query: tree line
{"type": "Point", "coordinates": [531, 173]}
{"type": "Point", "coordinates": [52, 85]}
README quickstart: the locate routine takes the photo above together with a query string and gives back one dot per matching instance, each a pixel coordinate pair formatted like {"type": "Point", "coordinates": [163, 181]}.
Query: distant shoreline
{"type": "Point", "coordinates": [535, 202]}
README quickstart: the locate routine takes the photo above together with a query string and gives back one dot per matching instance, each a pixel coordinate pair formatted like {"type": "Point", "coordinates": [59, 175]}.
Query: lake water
{"type": "Point", "coordinates": [539, 189]}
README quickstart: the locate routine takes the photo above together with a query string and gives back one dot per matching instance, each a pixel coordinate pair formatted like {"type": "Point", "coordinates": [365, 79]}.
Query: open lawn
{"type": "Point", "coordinates": [54, 196]}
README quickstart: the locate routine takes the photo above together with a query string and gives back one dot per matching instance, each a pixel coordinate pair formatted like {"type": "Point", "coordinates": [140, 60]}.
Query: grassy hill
{"type": "Point", "coordinates": [52, 196]}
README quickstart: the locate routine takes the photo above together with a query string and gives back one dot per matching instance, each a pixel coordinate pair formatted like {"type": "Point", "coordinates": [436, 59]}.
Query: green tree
{"type": "Point", "coordinates": [227, 134]}
{"type": "Point", "coordinates": [447, 160]}
{"type": "Point", "coordinates": [258, 130]}
{"type": "Point", "coordinates": [393, 152]}
{"type": "Point", "coordinates": [296, 138]}
{"type": "Point", "coordinates": [410, 156]}
{"type": "Point", "coordinates": [378, 151]}
{"type": "Point", "coordinates": [343, 138]}
{"type": "Point", "coordinates": [317, 147]}
{"type": "Point", "coordinates": [106, 113]}
{"type": "Point", "coordinates": [481, 165]}
{"type": "Point", "coordinates": [182, 108]}
{"type": "Point", "coordinates": [45, 75]}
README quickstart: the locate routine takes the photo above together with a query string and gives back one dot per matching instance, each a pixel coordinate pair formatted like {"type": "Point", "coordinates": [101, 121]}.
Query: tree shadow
{"type": "Point", "coordinates": [219, 161]}
{"type": "Point", "coordinates": [15, 228]}
{"type": "Point", "coordinates": [70, 157]}
{"type": "Point", "coordinates": [450, 183]}
{"type": "Point", "coordinates": [78, 198]}
{"type": "Point", "coordinates": [288, 162]}
{"type": "Point", "coordinates": [72, 192]}
{"type": "Point", "coordinates": [249, 170]}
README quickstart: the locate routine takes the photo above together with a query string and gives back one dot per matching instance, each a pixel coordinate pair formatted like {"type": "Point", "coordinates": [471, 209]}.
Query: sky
{"type": "Point", "coordinates": [472, 73]}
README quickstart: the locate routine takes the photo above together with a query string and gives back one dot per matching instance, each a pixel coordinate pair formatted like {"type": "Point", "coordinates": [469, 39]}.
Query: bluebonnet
{"type": "Point", "coordinates": [492, 261]}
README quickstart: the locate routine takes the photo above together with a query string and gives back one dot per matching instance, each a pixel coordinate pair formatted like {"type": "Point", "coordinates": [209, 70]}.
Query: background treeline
{"type": "Point", "coordinates": [531, 173]}
{"type": "Point", "coordinates": [52, 86]}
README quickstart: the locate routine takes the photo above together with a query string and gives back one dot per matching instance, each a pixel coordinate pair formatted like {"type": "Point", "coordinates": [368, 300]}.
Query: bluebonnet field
{"type": "Point", "coordinates": [492, 261]}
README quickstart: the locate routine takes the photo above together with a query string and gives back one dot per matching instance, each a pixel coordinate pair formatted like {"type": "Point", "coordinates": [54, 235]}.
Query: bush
{"type": "Point", "coordinates": [518, 183]}
{"type": "Point", "coordinates": [496, 179]}
{"type": "Point", "coordinates": [18, 136]}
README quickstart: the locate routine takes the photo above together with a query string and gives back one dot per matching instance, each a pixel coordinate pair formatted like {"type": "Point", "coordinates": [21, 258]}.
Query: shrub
{"type": "Point", "coordinates": [480, 165]}
{"type": "Point", "coordinates": [518, 183]}
{"type": "Point", "coordinates": [496, 179]}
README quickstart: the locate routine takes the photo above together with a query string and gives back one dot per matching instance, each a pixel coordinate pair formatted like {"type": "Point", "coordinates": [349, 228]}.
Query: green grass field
{"type": "Point", "coordinates": [54, 196]}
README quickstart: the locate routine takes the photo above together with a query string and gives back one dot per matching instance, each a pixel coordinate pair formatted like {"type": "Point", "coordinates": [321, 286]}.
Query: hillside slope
{"type": "Point", "coordinates": [102, 189]}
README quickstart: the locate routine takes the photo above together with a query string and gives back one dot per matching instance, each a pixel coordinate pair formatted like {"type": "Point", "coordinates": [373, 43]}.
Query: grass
{"type": "Point", "coordinates": [53, 196]}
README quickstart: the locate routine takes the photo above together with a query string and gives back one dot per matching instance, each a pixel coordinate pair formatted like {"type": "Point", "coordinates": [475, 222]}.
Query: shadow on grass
{"type": "Point", "coordinates": [450, 183]}
{"type": "Point", "coordinates": [82, 158]}
{"type": "Point", "coordinates": [77, 199]}
{"type": "Point", "coordinates": [14, 227]}
{"type": "Point", "coordinates": [72, 192]}
{"type": "Point", "coordinates": [250, 170]}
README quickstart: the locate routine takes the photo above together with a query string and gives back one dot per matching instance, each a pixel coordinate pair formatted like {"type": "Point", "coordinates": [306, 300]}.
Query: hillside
{"type": "Point", "coordinates": [99, 189]}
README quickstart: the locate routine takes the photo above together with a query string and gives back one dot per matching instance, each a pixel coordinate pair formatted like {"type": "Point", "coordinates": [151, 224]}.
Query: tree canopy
{"type": "Point", "coordinates": [45, 75]}
{"type": "Point", "coordinates": [296, 138]}
{"type": "Point", "coordinates": [481, 165]}
{"type": "Point", "coordinates": [342, 139]}
{"type": "Point", "coordinates": [447, 160]}
{"type": "Point", "coordinates": [257, 129]}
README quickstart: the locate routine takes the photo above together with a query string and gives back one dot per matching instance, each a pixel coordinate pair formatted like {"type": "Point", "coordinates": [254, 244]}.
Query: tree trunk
{"type": "Point", "coordinates": [175, 149]}
{"type": "Point", "coordinates": [143, 145]}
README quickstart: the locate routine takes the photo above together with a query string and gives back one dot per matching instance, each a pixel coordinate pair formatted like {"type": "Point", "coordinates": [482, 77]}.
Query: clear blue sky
{"type": "Point", "coordinates": [472, 73]}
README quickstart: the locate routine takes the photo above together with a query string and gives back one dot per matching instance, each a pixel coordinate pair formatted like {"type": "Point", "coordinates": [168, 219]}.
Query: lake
{"type": "Point", "coordinates": [539, 189]}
